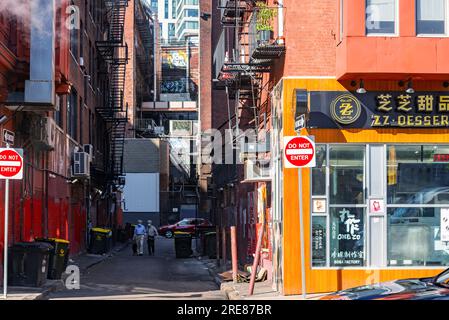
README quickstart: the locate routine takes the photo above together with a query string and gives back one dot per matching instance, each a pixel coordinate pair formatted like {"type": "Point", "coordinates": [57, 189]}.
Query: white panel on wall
{"type": "Point", "coordinates": [141, 192]}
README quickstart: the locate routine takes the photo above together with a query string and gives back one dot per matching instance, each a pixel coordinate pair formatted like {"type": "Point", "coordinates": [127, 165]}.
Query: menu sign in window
{"type": "Point", "coordinates": [347, 237]}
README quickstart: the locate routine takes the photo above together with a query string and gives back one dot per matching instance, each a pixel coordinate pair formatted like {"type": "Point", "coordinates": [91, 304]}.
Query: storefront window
{"type": "Point", "coordinates": [418, 174]}
{"type": "Point", "coordinates": [319, 234]}
{"type": "Point", "coordinates": [347, 174]}
{"type": "Point", "coordinates": [319, 172]}
{"type": "Point", "coordinates": [347, 244]}
{"type": "Point", "coordinates": [414, 237]}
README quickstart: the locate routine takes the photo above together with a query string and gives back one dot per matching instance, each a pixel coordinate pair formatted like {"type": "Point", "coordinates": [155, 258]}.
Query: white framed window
{"type": "Point", "coordinates": [431, 17]}
{"type": "Point", "coordinates": [382, 17]}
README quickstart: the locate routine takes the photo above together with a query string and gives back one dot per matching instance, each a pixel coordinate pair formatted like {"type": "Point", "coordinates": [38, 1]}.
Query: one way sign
{"type": "Point", "coordinates": [8, 137]}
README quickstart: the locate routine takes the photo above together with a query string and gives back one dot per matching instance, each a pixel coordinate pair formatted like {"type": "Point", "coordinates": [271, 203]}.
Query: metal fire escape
{"type": "Point", "coordinates": [248, 59]}
{"type": "Point", "coordinates": [114, 52]}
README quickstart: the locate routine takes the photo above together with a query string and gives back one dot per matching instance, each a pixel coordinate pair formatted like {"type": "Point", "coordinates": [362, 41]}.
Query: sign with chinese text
{"type": "Point", "coordinates": [319, 241]}
{"type": "Point", "coordinates": [319, 206]}
{"type": "Point", "coordinates": [347, 237]}
{"type": "Point", "coordinates": [391, 109]}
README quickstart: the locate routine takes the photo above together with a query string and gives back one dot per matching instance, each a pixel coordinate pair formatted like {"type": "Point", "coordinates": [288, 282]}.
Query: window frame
{"type": "Point", "coordinates": [367, 241]}
{"type": "Point", "coordinates": [433, 35]}
{"type": "Point", "coordinates": [396, 23]}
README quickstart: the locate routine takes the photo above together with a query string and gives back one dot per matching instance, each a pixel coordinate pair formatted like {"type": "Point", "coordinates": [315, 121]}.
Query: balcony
{"type": "Point", "coordinates": [257, 45]}
{"type": "Point", "coordinates": [233, 11]}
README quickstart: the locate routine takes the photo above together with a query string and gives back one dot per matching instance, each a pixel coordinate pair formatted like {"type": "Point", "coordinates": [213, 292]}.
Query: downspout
{"type": "Point", "coordinates": [281, 19]}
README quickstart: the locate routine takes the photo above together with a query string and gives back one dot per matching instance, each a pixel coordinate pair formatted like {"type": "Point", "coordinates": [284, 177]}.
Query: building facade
{"type": "Point", "coordinates": [370, 79]}
{"type": "Point", "coordinates": [58, 95]}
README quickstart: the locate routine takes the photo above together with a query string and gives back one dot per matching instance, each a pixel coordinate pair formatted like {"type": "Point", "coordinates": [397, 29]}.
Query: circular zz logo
{"type": "Point", "coordinates": [345, 109]}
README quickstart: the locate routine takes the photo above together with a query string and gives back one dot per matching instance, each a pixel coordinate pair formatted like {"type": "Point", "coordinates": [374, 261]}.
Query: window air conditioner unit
{"type": "Point", "coordinates": [43, 134]}
{"type": "Point", "coordinates": [255, 171]}
{"type": "Point", "coordinates": [80, 165]}
{"type": "Point", "coordinates": [89, 149]}
{"type": "Point", "coordinates": [181, 127]}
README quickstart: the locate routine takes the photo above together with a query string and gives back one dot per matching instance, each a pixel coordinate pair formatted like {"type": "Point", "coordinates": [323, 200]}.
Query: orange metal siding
{"type": "Point", "coordinates": [326, 280]}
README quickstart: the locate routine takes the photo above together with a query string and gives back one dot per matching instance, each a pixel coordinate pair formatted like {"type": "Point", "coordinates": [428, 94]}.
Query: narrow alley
{"type": "Point", "coordinates": [162, 276]}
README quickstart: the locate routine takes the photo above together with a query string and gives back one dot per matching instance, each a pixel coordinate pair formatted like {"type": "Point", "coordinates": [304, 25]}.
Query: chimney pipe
{"type": "Point", "coordinates": [40, 89]}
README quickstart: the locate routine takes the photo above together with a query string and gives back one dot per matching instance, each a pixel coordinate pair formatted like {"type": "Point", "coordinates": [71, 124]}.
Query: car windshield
{"type": "Point", "coordinates": [443, 279]}
{"type": "Point", "coordinates": [184, 222]}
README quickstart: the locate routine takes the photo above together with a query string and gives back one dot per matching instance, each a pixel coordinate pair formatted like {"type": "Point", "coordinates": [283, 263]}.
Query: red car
{"type": "Point", "coordinates": [190, 225]}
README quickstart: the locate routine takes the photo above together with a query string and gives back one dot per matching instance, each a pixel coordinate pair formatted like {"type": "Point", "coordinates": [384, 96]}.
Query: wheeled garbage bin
{"type": "Point", "coordinates": [210, 245]}
{"type": "Point", "coordinates": [28, 265]}
{"type": "Point", "coordinates": [59, 256]}
{"type": "Point", "coordinates": [183, 245]}
{"type": "Point", "coordinates": [100, 240]}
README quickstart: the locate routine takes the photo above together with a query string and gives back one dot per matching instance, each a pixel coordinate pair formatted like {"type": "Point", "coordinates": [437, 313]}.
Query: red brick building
{"type": "Point", "coordinates": [73, 110]}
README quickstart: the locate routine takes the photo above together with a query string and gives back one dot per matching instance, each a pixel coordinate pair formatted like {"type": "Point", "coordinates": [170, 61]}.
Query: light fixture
{"type": "Point", "coordinates": [410, 87]}
{"type": "Point", "coordinates": [446, 84]}
{"type": "Point", "coordinates": [361, 88]}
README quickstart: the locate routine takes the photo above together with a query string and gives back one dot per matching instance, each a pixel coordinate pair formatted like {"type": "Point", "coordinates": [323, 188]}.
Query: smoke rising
{"type": "Point", "coordinates": [21, 9]}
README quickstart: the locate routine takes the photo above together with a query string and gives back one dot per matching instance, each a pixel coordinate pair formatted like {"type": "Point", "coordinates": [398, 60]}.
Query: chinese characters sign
{"type": "Point", "coordinates": [379, 110]}
{"type": "Point", "coordinates": [347, 237]}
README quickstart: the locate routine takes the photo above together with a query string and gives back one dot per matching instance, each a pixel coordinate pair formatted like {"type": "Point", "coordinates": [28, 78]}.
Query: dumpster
{"type": "Point", "coordinates": [210, 245]}
{"type": "Point", "coordinates": [100, 240]}
{"type": "Point", "coordinates": [28, 265]}
{"type": "Point", "coordinates": [59, 256]}
{"type": "Point", "coordinates": [183, 244]}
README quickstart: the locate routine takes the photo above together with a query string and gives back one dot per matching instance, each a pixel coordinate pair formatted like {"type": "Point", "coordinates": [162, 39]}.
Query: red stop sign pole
{"type": "Point", "coordinates": [11, 168]}
{"type": "Point", "coordinates": [299, 152]}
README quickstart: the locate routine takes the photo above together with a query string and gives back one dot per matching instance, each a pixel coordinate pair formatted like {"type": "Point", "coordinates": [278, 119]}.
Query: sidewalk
{"type": "Point", "coordinates": [84, 261]}
{"type": "Point", "coordinates": [239, 291]}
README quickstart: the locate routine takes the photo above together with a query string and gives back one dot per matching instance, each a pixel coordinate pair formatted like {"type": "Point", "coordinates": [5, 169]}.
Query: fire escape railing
{"type": "Point", "coordinates": [114, 52]}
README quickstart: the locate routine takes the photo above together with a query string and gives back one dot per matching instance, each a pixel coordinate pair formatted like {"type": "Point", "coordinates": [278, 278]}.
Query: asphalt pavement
{"type": "Point", "coordinates": [162, 276]}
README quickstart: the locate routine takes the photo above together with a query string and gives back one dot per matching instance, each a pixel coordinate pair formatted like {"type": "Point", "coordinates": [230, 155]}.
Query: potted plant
{"type": "Point", "coordinates": [264, 22]}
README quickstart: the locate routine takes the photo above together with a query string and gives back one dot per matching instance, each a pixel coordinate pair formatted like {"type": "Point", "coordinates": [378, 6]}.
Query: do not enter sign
{"type": "Point", "coordinates": [299, 152]}
{"type": "Point", "coordinates": [11, 163]}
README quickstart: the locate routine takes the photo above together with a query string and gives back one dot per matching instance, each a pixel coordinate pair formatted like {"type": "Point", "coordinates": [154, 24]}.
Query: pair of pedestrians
{"type": "Point", "coordinates": [140, 233]}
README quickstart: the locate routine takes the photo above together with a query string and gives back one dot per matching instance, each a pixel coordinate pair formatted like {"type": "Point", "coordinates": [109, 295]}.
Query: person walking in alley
{"type": "Point", "coordinates": [152, 233]}
{"type": "Point", "coordinates": [139, 236]}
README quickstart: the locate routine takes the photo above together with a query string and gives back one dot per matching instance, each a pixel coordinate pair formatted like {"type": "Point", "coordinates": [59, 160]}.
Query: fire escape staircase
{"type": "Point", "coordinates": [245, 64]}
{"type": "Point", "coordinates": [114, 52]}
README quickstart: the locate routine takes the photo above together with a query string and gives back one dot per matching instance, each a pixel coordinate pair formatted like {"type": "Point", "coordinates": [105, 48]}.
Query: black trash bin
{"type": "Point", "coordinates": [28, 264]}
{"type": "Point", "coordinates": [100, 240]}
{"type": "Point", "coordinates": [210, 245]}
{"type": "Point", "coordinates": [59, 257]}
{"type": "Point", "coordinates": [183, 245]}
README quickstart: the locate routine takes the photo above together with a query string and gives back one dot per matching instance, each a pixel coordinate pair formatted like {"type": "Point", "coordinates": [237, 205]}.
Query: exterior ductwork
{"type": "Point", "coordinates": [40, 89]}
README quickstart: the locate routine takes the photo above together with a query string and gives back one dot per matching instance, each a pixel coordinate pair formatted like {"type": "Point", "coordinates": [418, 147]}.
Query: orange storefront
{"type": "Point", "coordinates": [374, 203]}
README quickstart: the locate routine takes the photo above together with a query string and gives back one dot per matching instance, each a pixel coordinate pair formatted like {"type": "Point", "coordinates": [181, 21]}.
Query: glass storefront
{"type": "Point", "coordinates": [411, 182]}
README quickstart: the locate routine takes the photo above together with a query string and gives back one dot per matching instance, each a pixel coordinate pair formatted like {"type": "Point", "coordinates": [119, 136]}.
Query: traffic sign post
{"type": "Point", "coordinates": [299, 152]}
{"type": "Point", "coordinates": [11, 167]}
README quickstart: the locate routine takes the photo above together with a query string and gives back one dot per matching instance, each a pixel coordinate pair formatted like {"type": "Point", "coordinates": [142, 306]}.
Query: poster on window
{"type": "Point", "coordinates": [319, 241]}
{"type": "Point", "coordinates": [347, 237]}
{"type": "Point", "coordinates": [445, 225]}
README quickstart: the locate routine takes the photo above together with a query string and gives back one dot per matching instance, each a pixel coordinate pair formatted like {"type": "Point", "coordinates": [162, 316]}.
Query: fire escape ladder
{"type": "Point", "coordinates": [114, 52]}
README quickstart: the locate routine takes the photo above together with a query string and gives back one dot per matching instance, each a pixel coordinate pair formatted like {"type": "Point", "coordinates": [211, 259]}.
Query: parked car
{"type": "Point", "coordinates": [190, 225]}
{"type": "Point", "coordinates": [436, 288]}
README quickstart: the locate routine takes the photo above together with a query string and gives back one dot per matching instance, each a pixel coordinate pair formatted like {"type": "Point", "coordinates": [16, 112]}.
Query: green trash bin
{"type": "Point", "coordinates": [59, 257]}
{"type": "Point", "coordinates": [28, 265]}
{"type": "Point", "coordinates": [100, 240]}
{"type": "Point", "coordinates": [210, 245]}
{"type": "Point", "coordinates": [183, 245]}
